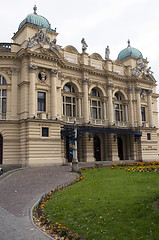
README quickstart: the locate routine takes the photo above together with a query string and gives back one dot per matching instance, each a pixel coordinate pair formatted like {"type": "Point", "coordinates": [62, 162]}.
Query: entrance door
{"type": "Point", "coordinates": [97, 153]}
{"type": "Point", "coordinates": [69, 149]}
{"type": "Point", "coordinates": [120, 148]}
{"type": "Point", "coordinates": [1, 149]}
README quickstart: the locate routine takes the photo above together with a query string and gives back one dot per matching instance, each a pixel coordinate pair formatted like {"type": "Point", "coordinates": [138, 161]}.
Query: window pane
{"type": "Point", "coordinates": [45, 132]}
{"type": "Point", "coordinates": [4, 81]}
{"type": "Point", "coordinates": [3, 105]}
{"type": "Point", "coordinates": [41, 101]}
{"type": "Point", "coordinates": [94, 103]}
{"type": "Point", "coordinates": [143, 114]}
{"type": "Point", "coordinates": [67, 88]}
{"type": "Point", "coordinates": [68, 99]}
{"type": "Point", "coordinates": [4, 92]}
{"type": "Point", "coordinates": [68, 110]}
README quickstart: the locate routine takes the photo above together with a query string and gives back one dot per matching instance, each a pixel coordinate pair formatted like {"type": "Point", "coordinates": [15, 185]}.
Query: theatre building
{"type": "Point", "coordinates": [46, 89]}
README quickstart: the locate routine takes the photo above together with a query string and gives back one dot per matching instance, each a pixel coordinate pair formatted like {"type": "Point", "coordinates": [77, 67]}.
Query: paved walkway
{"type": "Point", "coordinates": [19, 191]}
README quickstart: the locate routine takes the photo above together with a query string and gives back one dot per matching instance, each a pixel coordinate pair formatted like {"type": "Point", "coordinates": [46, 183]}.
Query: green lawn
{"type": "Point", "coordinates": [109, 204]}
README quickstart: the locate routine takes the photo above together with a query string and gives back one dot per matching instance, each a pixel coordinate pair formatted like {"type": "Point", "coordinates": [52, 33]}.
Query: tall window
{"type": "Point", "coordinates": [69, 101]}
{"type": "Point", "coordinates": [118, 107]}
{"type": "Point", "coordinates": [143, 114]}
{"type": "Point", "coordinates": [41, 101]}
{"type": "Point", "coordinates": [95, 104]}
{"type": "Point", "coordinates": [3, 97]}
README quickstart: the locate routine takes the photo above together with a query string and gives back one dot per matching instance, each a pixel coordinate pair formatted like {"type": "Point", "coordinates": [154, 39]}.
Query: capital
{"type": "Point", "coordinates": [130, 90]}
{"type": "Point", "coordinates": [149, 92]}
{"type": "Point", "coordinates": [54, 72]}
{"type": "Point", "coordinates": [14, 71]}
{"type": "Point", "coordinates": [110, 85]}
{"type": "Point", "coordinates": [32, 67]}
{"type": "Point", "coordinates": [85, 80]}
{"type": "Point", "coordinates": [137, 90]}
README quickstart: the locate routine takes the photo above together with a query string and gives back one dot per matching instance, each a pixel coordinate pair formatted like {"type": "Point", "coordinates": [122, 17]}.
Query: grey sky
{"type": "Point", "coordinates": [101, 23]}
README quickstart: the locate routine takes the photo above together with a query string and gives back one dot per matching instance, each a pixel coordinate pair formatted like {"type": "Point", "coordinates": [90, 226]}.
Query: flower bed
{"type": "Point", "coordinates": [55, 227]}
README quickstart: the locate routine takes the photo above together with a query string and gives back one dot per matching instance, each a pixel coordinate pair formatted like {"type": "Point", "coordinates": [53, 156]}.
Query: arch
{"type": "Point", "coordinates": [97, 148]}
{"type": "Point", "coordinates": [96, 56]}
{"type": "Point", "coordinates": [122, 93]}
{"type": "Point", "coordinates": [6, 77]}
{"type": "Point", "coordinates": [1, 149]}
{"type": "Point", "coordinates": [71, 49]}
{"type": "Point", "coordinates": [100, 89]}
{"type": "Point", "coordinates": [76, 86]}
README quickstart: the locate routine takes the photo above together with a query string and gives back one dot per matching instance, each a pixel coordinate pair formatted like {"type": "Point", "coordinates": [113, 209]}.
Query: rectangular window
{"type": "Point", "coordinates": [45, 131]}
{"type": "Point", "coordinates": [143, 114]}
{"type": "Point", "coordinates": [148, 136]}
{"type": "Point", "coordinates": [41, 101]}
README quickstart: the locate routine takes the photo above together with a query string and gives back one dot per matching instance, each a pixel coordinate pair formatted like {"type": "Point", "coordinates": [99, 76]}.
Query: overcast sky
{"type": "Point", "coordinates": [100, 22]}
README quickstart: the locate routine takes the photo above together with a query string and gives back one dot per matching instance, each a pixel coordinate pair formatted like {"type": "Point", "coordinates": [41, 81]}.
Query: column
{"type": "Point", "coordinates": [149, 103]}
{"type": "Point", "coordinates": [138, 107]}
{"type": "Point", "coordinates": [14, 94]}
{"type": "Point", "coordinates": [110, 104]}
{"type": "Point", "coordinates": [126, 113]}
{"type": "Point", "coordinates": [53, 94]}
{"type": "Point", "coordinates": [104, 110]}
{"type": "Point", "coordinates": [32, 69]}
{"type": "Point", "coordinates": [79, 106]}
{"type": "Point", "coordinates": [85, 100]}
{"type": "Point", "coordinates": [131, 110]}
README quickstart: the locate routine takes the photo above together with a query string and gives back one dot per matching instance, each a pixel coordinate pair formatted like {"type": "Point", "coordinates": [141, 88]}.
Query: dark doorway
{"type": "Point", "coordinates": [97, 153]}
{"type": "Point", "coordinates": [120, 148]}
{"type": "Point", "coordinates": [1, 149]}
{"type": "Point", "coordinates": [69, 149]}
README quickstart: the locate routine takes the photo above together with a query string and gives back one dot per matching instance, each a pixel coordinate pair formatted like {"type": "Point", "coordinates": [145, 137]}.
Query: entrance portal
{"type": "Point", "coordinates": [97, 153]}
{"type": "Point", "coordinates": [1, 149]}
{"type": "Point", "coordinates": [120, 148]}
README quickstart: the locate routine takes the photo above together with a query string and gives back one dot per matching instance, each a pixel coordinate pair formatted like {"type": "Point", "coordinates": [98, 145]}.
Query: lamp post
{"type": "Point", "coordinates": [75, 167]}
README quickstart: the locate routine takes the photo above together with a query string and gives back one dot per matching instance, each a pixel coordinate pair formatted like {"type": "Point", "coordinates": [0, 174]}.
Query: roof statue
{"type": "Point", "coordinates": [84, 45]}
{"type": "Point", "coordinates": [39, 38]}
{"type": "Point", "coordinates": [35, 9]}
{"type": "Point", "coordinates": [141, 68]}
{"type": "Point", "coordinates": [107, 52]}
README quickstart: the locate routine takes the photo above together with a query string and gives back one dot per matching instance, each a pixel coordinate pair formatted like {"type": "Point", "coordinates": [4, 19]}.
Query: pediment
{"type": "Point", "coordinates": [96, 56]}
{"type": "Point", "coordinates": [46, 51]}
{"type": "Point", "coordinates": [71, 49]}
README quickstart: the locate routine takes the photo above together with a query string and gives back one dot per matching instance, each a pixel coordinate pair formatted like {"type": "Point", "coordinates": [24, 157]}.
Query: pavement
{"type": "Point", "coordinates": [20, 189]}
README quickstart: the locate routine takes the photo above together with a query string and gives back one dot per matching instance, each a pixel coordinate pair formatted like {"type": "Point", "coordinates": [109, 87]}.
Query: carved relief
{"type": "Point", "coordinates": [7, 71]}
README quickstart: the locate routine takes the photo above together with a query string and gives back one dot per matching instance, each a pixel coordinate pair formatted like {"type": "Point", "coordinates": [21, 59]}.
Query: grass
{"type": "Point", "coordinates": [109, 204]}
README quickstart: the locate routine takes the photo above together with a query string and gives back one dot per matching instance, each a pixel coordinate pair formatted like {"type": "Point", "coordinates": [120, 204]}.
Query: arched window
{"type": "Point", "coordinates": [3, 97]}
{"type": "Point", "coordinates": [119, 108]}
{"type": "Point", "coordinates": [95, 104]}
{"type": "Point", "coordinates": [69, 101]}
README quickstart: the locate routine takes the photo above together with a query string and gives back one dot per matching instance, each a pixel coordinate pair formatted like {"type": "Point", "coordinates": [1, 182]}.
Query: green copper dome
{"type": "Point", "coordinates": [36, 20]}
{"type": "Point", "coordinates": [129, 52]}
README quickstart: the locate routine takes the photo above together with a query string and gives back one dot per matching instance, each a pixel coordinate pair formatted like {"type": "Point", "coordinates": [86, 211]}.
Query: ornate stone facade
{"type": "Point", "coordinates": [47, 87]}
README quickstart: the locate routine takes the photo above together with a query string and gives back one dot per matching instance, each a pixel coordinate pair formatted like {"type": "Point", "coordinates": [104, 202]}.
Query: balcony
{"type": "Point", "coordinates": [5, 47]}
{"type": "Point", "coordinates": [121, 124]}
{"type": "Point", "coordinates": [99, 122]}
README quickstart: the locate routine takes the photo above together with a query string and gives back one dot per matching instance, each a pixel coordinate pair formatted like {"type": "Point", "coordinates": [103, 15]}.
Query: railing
{"type": "Point", "coordinates": [99, 122]}
{"type": "Point", "coordinates": [5, 47]}
{"type": "Point", "coordinates": [121, 124]}
{"type": "Point", "coordinates": [72, 119]}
